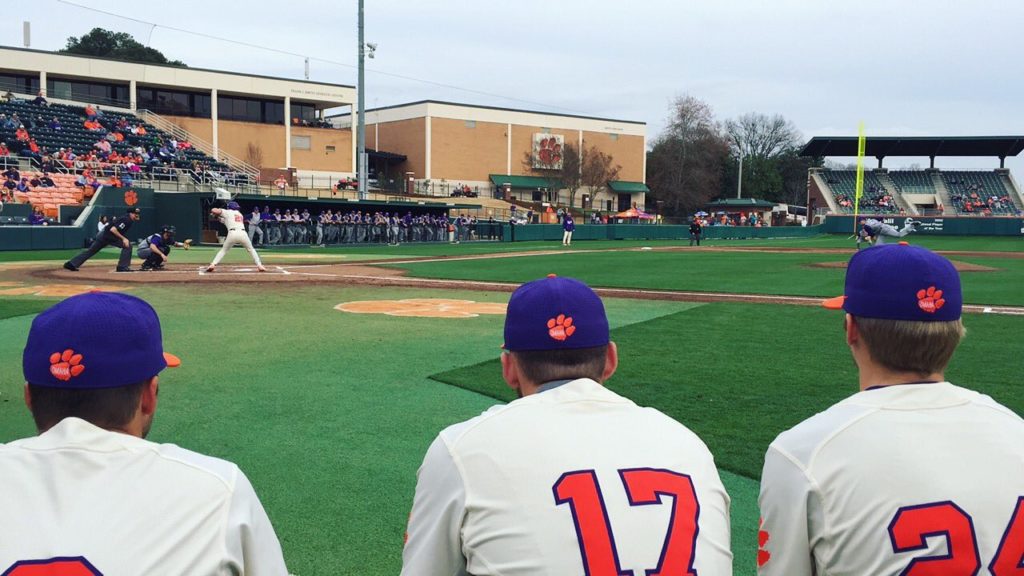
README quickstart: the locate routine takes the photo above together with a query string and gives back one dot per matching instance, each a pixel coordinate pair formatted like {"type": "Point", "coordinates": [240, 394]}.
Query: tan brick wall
{"type": "Point", "coordinates": [626, 151]}
{"type": "Point", "coordinates": [201, 127]}
{"type": "Point", "coordinates": [406, 137]}
{"type": "Point", "coordinates": [236, 136]}
{"type": "Point", "coordinates": [460, 153]}
{"type": "Point", "coordinates": [317, 157]}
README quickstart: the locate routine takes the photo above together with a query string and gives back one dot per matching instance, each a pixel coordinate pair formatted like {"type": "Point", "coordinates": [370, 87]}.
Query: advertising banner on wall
{"type": "Point", "coordinates": [547, 151]}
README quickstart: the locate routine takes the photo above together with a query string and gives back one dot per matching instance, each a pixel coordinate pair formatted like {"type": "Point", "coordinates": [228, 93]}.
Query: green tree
{"type": "Point", "coordinates": [116, 45]}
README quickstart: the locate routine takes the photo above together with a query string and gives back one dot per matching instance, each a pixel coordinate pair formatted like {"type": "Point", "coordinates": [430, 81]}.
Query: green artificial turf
{"type": "Point", "coordinates": [13, 307]}
{"type": "Point", "coordinates": [786, 273]}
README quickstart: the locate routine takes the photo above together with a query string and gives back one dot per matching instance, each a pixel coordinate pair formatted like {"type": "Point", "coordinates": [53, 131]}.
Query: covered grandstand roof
{"type": "Point", "coordinates": [930, 146]}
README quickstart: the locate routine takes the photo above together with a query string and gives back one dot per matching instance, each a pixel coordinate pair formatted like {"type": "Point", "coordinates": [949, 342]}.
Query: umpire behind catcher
{"type": "Point", "coordinates": [89, 495]}
{"type": "Point", "coordinates": [111, 235]}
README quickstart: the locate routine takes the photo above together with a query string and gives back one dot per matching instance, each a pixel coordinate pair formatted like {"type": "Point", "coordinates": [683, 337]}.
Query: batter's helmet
{"type": "Point", "coordinates": [233, 205]}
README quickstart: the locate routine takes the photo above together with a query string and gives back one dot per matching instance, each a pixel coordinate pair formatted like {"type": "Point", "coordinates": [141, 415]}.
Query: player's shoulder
{"type": "Point", "coordinates": [803, 441]}
{"type": "Point", "coordinates": [188, 461]}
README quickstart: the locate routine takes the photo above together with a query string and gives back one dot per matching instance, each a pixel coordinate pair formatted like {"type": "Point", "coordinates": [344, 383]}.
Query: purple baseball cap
{"type": "Point", "coordinates": [900, 282]}
{"type": "Point", "coordinates": [555, 313]}
{"type": "Point", "coordinates": [95, 340]}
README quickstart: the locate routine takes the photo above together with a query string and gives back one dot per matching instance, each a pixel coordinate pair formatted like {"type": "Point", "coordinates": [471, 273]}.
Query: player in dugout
{"type": "Point", "coordinates": [912, 474]}
{"type": "Point", "coordinates": [571, 478]}
{"type": "Point", "coordinates": [90, 495]}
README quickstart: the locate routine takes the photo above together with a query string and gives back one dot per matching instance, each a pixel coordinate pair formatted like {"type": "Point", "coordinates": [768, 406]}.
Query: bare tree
{"type": "Point", "coordinates": [762, 136]}
{"type": "Point", "coordinates": [596, 170]}
{"type": "Point", "coordinates": [568, 178]}
{"type": "Point", "coordinates": [254, 155]}
{"type": "Point", "coordinates": [772, 166]}
{"type": "Point", "coordinates": [684, 166]}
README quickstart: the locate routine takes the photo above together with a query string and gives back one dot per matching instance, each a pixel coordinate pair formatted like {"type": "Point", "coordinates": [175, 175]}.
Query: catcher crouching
{"type": "Point", "coordinates": [155, 250]}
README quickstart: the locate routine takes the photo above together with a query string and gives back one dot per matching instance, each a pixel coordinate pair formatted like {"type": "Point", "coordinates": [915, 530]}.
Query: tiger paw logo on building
{"type": "Point", "coordinates": [561, 327]}
{"type": "Point", "coordinates": [930, 300]}
{"type": "Point", "coordinates": [131, 198]}
{"type": "Point", "coordinates": [65, 366]}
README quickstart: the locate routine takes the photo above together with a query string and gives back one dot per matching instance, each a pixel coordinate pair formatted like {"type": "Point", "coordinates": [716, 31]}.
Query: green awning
{"type": "Point", "coordinates": [528, 182]}
{"type": "Point", "coordinates": [740, 203]}
{"type": "Point", "coordinates": [625, 187]}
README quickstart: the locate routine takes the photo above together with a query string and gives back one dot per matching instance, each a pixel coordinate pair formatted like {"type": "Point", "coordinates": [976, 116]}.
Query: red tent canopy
{"type": "Point", "coordinates": [634, 213]}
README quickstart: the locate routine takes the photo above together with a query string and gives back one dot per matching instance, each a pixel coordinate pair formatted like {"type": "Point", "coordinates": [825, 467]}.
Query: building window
{"type": "Point", "coordinates": [303, 114]}
{"type": "Point", "coordinates": [470, 123]}
{"type": "Point", "coordinates": [19, 83]}
{"type": "Point", "coordinates": [94, 92]}
{"type": "Point", "coordinates": [300, 143]}
{"type": "Point", "coordinates": [613, 136]}
{"type": "Point", "coordinates": [329, 149]}
{"type": "Point", "coordinates": [250, 110]}
{"type": "Point", "coordinates": [173, 102]}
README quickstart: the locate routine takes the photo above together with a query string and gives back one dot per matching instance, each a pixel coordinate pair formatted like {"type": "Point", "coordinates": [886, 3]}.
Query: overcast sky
{"type": "Point", "coordinates": [922, 68]}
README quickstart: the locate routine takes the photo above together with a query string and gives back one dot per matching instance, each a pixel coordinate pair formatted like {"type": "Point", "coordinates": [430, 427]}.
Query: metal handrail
{"type": "Point", "coordinates": [162, 123]}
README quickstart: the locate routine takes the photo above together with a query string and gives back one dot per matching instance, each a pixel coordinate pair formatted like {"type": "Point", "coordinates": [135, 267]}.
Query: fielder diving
{"type": "Point", "coordinates": [875, 231]}
{"type": "Point", "coordinates": [232, 219]}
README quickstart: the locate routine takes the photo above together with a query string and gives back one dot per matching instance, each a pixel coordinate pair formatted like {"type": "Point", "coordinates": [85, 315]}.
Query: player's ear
{"type": "Point", "coordinates": [852, 333]}
{"type": "Point", "coordinates": [510, 370]}
{"type": "Point", "coordinates": [611, 361]}
{"type": "Point", "coordinates": [28, 397]}
{"type": "Point", "coordinates": [147, 404]}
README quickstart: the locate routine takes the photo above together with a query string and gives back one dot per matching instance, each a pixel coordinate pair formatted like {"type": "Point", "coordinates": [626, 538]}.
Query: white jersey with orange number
{"type": "Point", "coordinates": [910, 479]}
{"type": "Point", "coordinates": [232, 219]}
{"type": "Point", "coordinates": [570, 481]}
{"type": "Point", "coordinates": [83, 501]}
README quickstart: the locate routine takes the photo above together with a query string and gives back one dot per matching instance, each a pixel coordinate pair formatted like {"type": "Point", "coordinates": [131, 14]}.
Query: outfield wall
{"type": "Point", "coordinates": [937, 226]}
{"type": "Point", "coordinates": [534, 232]}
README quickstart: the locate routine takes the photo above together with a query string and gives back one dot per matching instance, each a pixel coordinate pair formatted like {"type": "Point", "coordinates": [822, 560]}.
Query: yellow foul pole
{"type": "Point", "coordinates": [861, 147]}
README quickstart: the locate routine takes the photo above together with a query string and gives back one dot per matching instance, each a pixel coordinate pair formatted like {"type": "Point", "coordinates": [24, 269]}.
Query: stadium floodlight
{"type": "Point", "coordinates": [372, 46]}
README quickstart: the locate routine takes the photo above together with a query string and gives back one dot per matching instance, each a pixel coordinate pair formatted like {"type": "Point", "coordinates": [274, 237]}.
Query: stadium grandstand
{"type": "Point", "coordinates": [928, 192]}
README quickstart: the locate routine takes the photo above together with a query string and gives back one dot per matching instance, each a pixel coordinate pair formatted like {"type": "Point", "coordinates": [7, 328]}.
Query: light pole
{"type": "Point", "coordinates": [739, 181]}
{"type": "Point", "coordinates": [361, 111]}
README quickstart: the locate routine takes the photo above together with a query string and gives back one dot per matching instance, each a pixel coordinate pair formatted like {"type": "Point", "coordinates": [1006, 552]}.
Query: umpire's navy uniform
{"type": "Point", "coordinates": [107, 238]}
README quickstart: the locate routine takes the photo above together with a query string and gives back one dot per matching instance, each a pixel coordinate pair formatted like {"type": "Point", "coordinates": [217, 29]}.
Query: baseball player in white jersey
{"type": "Point", "coordinates": [235, 223]}
{"type": "Point", "coordinates": [90, 496]}
{"type": "Point", "coordinates": [912, 475]}
{"type": "Point", "coordinates": [571, 478]}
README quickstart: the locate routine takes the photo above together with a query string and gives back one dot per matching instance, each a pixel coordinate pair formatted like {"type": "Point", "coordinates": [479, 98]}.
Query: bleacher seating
{"type": "Point", "coordinates": [875, 199]}
{"type": "Point", "coordinates": [981, 193]}
{"type": "Point", "coordinates": [913, 182]}
{"type": "Point", "coordinates": [74, 135]}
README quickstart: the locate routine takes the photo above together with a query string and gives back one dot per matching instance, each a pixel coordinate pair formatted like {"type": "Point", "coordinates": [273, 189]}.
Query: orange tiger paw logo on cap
{"type": "Point", "coordinates": [561, 327]}
{"type": "Point", "coordinates": [930, 300]}
{"type": "Point", "coordinates": [65, 366]}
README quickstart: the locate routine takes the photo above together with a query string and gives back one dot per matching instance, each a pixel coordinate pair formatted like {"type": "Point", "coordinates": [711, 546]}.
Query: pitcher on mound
{"type": "Point", "coordinates": [234, 222]}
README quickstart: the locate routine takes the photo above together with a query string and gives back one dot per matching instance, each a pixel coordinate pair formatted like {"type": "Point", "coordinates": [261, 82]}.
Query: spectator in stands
{"type": "Point", "coordinates": [55, 124]}
{"type": "Point", "coordinates": [9, 122]}
{"type": "Point", "coordinates": [280, 183]}
{"type": "Point", "coordinates": [21, 134]}
{"type": "Point", "coordinates": [4, 150]}
{"type": "Point", "coordinates": [37, 218]}
{"type": "Point", "coordinates": [103, 146]}
{"type": "Point", "coordinates": [9, 97]}
{"type": "Point", "coordinates": [92, 126]}
{"type": "Point", "coordinates": [24, 186]}
{"type": "Point", "coordinates": [11, 174]}
{"type": "Point", "coordinates": [90, 112]}
{"type": "Point", "coordinates": [33, 150]}
{"type": "Point", "coordinates": [39, 100]}
{"type": "Point", "coordinates": [46, 182]}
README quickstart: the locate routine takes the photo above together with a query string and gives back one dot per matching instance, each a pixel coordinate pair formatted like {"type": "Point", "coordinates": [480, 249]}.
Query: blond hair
{"type": "Point", "coordinates": [909, 346]}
